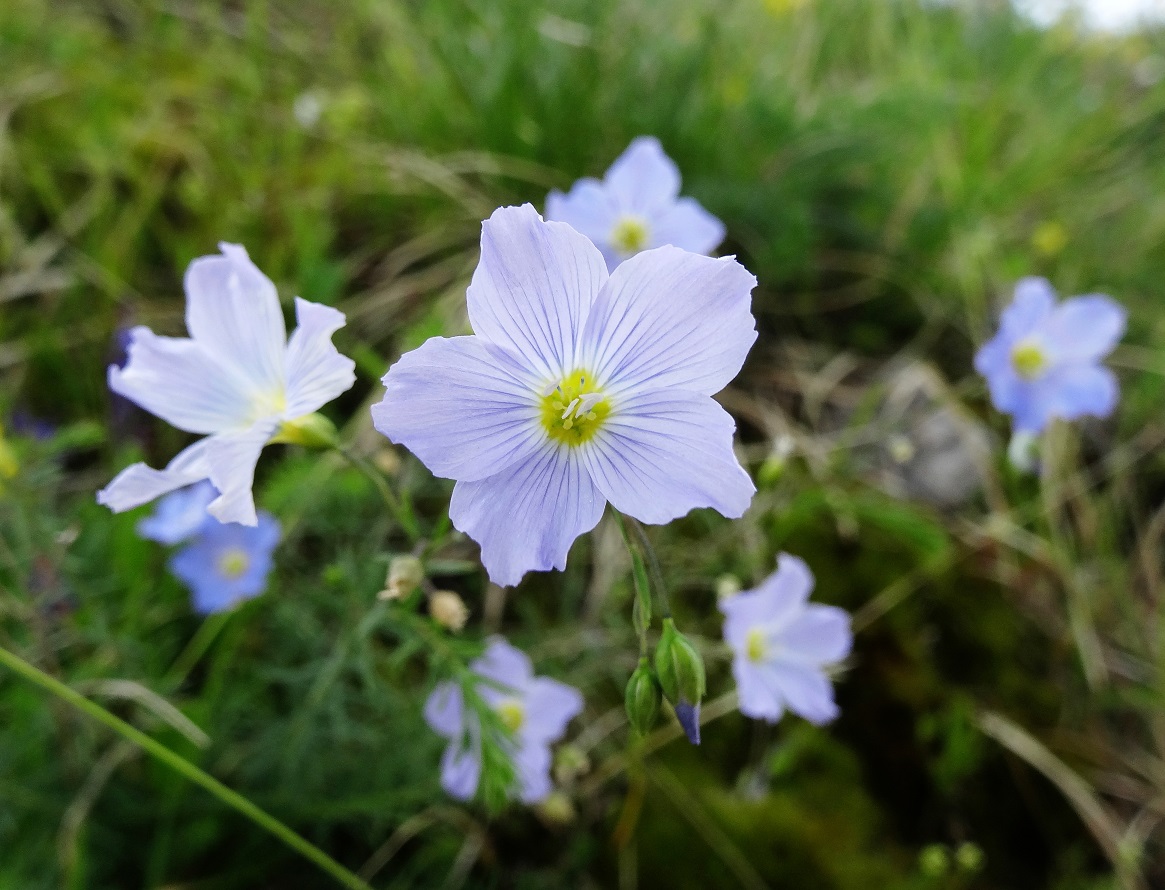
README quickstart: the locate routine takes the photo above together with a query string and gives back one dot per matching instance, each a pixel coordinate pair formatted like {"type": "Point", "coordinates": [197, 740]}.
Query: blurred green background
{"type": "Point", "coordinates": [886, 168]}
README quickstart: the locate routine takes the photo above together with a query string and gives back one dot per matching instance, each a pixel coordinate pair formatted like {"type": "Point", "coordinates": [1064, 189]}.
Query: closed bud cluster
{"type": "Point", "coordinates": [681, 674]}
{"type": "Point", "coordinates": [405, 573]}
{"type": "Point", "coordinates": [643, 698]}
{"type": "Point", "coordinates": [448, 610]}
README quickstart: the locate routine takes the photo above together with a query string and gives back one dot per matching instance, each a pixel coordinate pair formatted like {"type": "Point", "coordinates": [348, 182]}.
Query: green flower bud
{"type": "Point", "coordinates": [969, 857]}
{"type": "Point", "coordinates": [643, 698]}
{"type": "Point", "coordinates": [310, 431]}
{"type": "Point", "coordinates": [681, 674]}
{"type": "Point", "coordinates": [934, 860]}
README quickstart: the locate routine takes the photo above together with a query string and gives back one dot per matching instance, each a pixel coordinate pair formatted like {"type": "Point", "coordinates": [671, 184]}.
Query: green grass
{"type": "Point", "coordinates": [886, 170]}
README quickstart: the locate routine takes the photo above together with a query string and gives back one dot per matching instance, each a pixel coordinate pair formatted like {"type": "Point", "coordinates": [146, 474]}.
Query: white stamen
{"type": "Point", "coordinates": [569, 409]}
{"type": "Point", "coordinates": [549, 388]}
{"type": "Point", "coordinates": [587, 401]}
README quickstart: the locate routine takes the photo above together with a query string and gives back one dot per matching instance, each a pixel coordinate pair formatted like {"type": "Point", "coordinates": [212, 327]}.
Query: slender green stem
{"type": "Point", "coordinates": [652, 565]}
{"type": "Point", "coordinates": [400, 512]}
{"type": "Point", "coordinates": [198, 646]}
{"type": "Point", "coordinates": [184, 767]}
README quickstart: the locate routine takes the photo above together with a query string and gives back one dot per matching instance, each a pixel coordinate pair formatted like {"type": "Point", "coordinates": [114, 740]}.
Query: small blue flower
{"type": "Point", "coordinates": [227, 562]}
{"type": "Point", "coordinates": [180, 515]}
{"type": "Point", "coordinates": [536, 710]}
{"type": "Point", "coordinates": [1045, 362]}
{"type": "Point", "coordinates": [636, 207]}
{"type": "Point", "coordinates": [782, 643]}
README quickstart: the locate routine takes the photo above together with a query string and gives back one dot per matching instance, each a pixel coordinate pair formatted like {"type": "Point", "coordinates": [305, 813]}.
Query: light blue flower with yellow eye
{"type": "Point", "coordinates": [782, 644]}
{"type": "Point", "coordinates": [1045, 361]}
{"type": "Point", "coordinates": [534, 710]}
{"type": "Point", "coordinates": [238, 380]}
{"type": "Point", "coordinates": [227, 563]}
{"type": "Point", "coordinates": [180, 515]}
{"type": "Point", "coordinates": [577, 388]}
{"type": "Point", "coordinates": [636, 207]}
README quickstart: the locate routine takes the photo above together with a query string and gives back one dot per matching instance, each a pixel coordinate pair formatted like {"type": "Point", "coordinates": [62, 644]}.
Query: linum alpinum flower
{"type": "Point", "coordinates": [534, 710]}
{"type": "Point", "coordinates": [238, 379]}
{"type": "Point", "coordinates": [636, 207]}
{"type": "Point", "coordinates": [782, 643]}
{"type": "Point", "coordinates": [226, 563]}
{"type": "Point", "coordinates": [1045, 361]}
{"type": "Point", "coordinates": [576, 389]}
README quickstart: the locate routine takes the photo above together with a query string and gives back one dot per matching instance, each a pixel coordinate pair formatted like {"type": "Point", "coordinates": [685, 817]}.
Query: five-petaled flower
{"type": "Point", "coordinates": [636, 207]}
{"type": "Point", "coordinates": [575, 390]}
{"type": "Point", "coordinates": [227, 563]}
{"type": "Point", "coordinates": [782, 643]}
{"type": "Point", "coordinates": [534, 710]}
{"type": "Point", "coordinates": [1045, 361]}
{"type": "Point", "coordinates": [238, 379]}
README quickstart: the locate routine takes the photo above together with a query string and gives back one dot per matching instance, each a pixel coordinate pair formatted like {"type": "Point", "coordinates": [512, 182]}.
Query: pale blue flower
{"type": "Point", "coordinates": [576, 389]}
{"type": "Point", "coordinates": [636, 207]}
{"type": "Point", "coordinates": [238, 380]}
{"type": "Point", "coordinates": [535, 710]}
{"type": "Point", "coordinates": [781, 644]}
{"type": "Point", "coordinates": [180, 515]}
{"type": "Point", "coordinates": [1045, 362]}
{"type": "Point", "coordinates": [227, 563]}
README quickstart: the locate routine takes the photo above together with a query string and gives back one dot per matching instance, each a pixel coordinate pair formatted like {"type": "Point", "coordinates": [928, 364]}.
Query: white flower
{"type": "Point", "coordinates": [237, 379]}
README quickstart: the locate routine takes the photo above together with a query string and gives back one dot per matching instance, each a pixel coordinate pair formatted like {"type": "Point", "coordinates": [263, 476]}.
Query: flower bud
{"type": "Point", "coordinates": [934, 861]}
{"type": "Point", "coordinates": [310, 431]}
{"type": "Point", "coordinates": [405, 573]}
{"type": "Point", "coordinates": [448, 610]}
{"type": "Point", "coordinates": [642, 698]}
{"type": "Point", "coordinates": [557, 810]}
{"type": "Point", "coordinates": [969, 857]}
{"type": "Point", "coordinates": [570, 762]}
{"type": "Point", "coordinates": [681, 674]}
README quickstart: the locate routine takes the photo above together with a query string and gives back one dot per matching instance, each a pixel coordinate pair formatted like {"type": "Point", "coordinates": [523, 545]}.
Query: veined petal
{"type": "Point", "coordinates": [1081, 390]}
{"type": "Point", "coordinates": [316, 371]}
{"type": "Point", "coordinates": [661, 454]}
{"type": "Point", "coordinates": [819, 635]}
{"type": "Point", "coordinates": [507, 666]}
{"type": "Point", "coordinates": [532, 764]}
{"type": "Point", "coordinates": [139, 484]}
{"type": "Point", "coordinates": [669, 318]}
{"type": "Point", "coordinates": [466, 410]}
{"type": "Point", "coordinates": [232, 458]}
{"type": "Point", "coordinates": [533, 287]}
{"type": "Point", "coordinates": [689, 226]}
{"type": "Point", "coordinates": [461, 765]}
{"type": "Point", "coordinates": [526, 517]}
{"type": "Point", "coordinates": [586, 208]}
{"type": "Point", "coordinates": [550, 706]}
{"type": "Point", "coordinates": [444, 710]}
{"type": "Point", "coordinates": [1034, 300]}
{"type": "Point", "coordinates": [232, 310]}
{"type": "Point", "coordinates": [177, 380]}
{"type": "Point", "coordinates": [807, 691]}
{"type": "Point", "coordinates": [1086, 328]}
{"type": "Point", "coordinates": [644, 179]}
{"type": "Point", "coordinates": [757, 693]}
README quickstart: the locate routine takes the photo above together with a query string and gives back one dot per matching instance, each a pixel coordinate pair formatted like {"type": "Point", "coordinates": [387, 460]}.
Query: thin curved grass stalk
{"type": "Point", "coordinates": [184, 768]}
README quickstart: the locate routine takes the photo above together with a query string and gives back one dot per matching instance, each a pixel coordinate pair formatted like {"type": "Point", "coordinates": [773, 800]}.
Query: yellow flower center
{"type": "Point", "coordinates": [233, 563]}
{"type": "Point", "coordinates": [513, 714]}
{"type": "Point", "coordinates": [1028, 359]}
{"type": "Point", "coordinates": [630, 234]}
{"type": "Point", "coordinates": [757, 645]}
{"type": "Point", "coordinates": [574, 409]}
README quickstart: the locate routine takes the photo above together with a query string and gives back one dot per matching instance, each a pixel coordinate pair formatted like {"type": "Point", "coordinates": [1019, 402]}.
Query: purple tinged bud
{"type": "Point", "coordinates": [689, 717]}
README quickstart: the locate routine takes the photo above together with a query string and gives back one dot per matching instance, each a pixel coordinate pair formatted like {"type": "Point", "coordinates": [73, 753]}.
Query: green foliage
{"type": "Point", "coordinates": [886, 169]}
